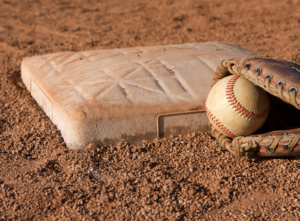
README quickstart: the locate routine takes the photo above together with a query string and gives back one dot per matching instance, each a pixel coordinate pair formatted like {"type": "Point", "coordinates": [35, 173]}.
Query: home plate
{"type": "Point", "coordinates": [108, 96]}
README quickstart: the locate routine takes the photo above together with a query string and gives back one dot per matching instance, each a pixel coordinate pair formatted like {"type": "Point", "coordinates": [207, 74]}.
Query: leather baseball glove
{"type": "Point", "coordinates": [281, 79]}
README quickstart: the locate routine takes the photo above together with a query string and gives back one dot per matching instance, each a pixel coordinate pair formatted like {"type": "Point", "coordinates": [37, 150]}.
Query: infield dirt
{"type": "Point", "coordinates": [178, 178]}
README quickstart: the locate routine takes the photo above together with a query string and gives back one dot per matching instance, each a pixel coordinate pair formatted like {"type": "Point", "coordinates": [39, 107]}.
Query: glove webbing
{"type": "Point", "coordinates": [252, 146]}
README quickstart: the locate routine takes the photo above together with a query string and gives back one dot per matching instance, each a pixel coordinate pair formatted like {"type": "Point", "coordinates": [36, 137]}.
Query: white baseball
{"type": "Point", "coordinates": [236, 107]}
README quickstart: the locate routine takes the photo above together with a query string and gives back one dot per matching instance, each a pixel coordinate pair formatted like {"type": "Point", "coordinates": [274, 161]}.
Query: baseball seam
{"type": "Point", "coordinates": [218, 123]}
{"type": "Point", "coordinates": [236, 106]}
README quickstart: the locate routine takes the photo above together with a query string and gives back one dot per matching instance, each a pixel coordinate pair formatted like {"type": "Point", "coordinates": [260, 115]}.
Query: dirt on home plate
{"type": "Point", "coordinates": [177, 178]}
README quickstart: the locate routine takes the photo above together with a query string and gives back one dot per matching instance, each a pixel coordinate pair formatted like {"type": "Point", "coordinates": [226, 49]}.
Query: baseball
{"type": "Point", "coordinates": [236, 107]}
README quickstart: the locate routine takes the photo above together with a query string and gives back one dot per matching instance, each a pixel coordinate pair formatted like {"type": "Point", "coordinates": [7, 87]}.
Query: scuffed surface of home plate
{"type": "Point", "coordinates": [107, 96]}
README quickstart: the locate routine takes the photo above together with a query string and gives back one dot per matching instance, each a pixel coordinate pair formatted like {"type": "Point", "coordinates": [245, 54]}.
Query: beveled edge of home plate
{"type": "Point", "coordinates": [120, 92]}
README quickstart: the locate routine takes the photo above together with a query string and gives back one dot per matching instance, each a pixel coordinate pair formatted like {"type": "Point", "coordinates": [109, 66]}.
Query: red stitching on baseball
{"type": "Point", "coordinates": [218, 123]}
{"type": "Point", "coordinates": [230, 96]}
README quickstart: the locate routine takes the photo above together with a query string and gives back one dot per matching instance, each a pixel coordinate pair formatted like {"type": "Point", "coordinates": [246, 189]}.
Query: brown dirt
{"type": "Point", "coordinates": [179, 178]}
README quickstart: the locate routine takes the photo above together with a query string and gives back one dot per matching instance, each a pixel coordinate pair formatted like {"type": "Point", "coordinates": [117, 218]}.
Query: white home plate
{"type": "Point", "coordinates": [107, 96]}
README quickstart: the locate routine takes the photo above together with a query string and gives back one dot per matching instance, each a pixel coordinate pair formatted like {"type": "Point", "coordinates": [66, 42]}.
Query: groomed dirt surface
{"type": "Point", "coordinates": [178, 178]}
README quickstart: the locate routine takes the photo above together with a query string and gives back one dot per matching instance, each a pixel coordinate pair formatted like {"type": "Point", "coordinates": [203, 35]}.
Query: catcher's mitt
{"type": "Point", "coordinates": [281, 79]}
